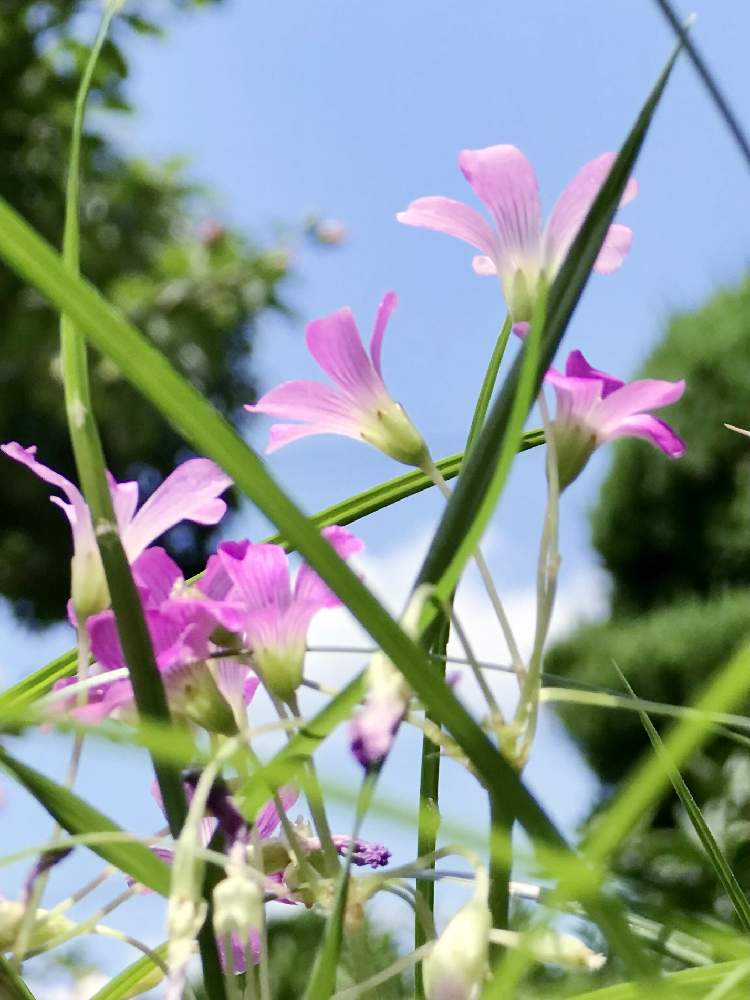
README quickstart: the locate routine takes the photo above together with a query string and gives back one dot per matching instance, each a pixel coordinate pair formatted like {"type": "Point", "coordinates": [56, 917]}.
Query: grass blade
{"type": "Point", "coordinates": [137, 978]}
{"type": "Point", "coordinates": [714, 853]}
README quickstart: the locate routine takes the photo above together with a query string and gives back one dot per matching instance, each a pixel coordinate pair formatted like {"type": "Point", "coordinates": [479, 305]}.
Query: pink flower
{"type": "Point", "coordinates": [360, 406]}
{"type": "Point", "coordinates": [276, 617]}
{"type": "Point", "coordinates": [518, 248]}
{"type": "Point", "coordinates": [593, 407]}
{"type": "Point", "coordinates": [182, 623]}
{"type": "Point", "coordinates": [190, 493]}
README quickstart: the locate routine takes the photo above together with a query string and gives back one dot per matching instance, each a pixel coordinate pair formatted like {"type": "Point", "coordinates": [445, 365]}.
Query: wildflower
{"type": "Point", "coordinates": [190, 493]}
{"type": "Point", "coordinates": [373, 730]}
{"type": "Point", "coordinates": [593, 407]}
{"type": "Point", "coordinates": [518, 249]}
{"type": "Point", "coordinates": [207, 689]}
{"type": "Point", "coordinates": [276, 618]}
{"type": "Point", "coordinates": [456, 967]}
{"type": "Point", "coordinates": [360, 407]}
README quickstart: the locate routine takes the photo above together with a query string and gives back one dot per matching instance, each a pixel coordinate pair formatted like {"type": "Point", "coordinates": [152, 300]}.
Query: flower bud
{"type": "Point", "coordinates": [391, 431]}
{"type": "Point", "coordinates": [457, 965]}
{"type": "Point", "coordinates": [194, 694]}
{"type": "Point", "coordinates": [238, 904]}
{"type": "Point", "coordinates": [47, 926]}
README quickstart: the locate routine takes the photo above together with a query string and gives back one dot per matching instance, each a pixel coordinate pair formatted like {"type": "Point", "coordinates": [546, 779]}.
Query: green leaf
{"type": "Point", "coordinates": [714, 853]}
{"type": "Point", "coordinates": [12, 987]}
{"type": "Point", "coordinates": [139, 977]}
{"type": "Point", "coordinates": [77, 816]}
{"type": "Point", "coordinates": [678, 985]}
{"type": "Point", "coordinates": [648, 780]}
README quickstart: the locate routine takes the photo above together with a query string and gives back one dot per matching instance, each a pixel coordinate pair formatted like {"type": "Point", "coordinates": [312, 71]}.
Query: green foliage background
{"type": "Point", "coordinates": [193, 285]}
{"type": "Point", "coordinates": [675, 539]}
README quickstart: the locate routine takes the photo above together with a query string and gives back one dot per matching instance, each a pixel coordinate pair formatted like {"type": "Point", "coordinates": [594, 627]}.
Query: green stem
{"type": "Point", "coordinates": [429, 781]}
{"type": "Point", "coordinates": [488, 385]}
{"type": "Point", "coordinates": [148, 689]}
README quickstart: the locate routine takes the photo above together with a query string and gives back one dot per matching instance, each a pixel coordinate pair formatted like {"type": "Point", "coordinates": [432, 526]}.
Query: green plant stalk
{"type": "Point", "coordinates": [650, 778]}
{"type": "Point", "coordinates": [715, 855]}
{"type": "Point", "coordinates": [678, 985]}
{"type": "Point", "coordinates": [148, 688]}
{"type": "Point", "coordinates": [428, 823]}
{"type": "Point", "coordinates": [12, 987]}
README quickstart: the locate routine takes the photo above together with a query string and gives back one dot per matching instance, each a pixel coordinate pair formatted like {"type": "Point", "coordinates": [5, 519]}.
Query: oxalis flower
{"type": "Point", "coordinates": [360, 407]}
{"type": "Point", "coordinates": [276, 616]}
{"type": "Point", "coordinates": [201, 685]}
{"type": "Point", "coordinates": [190, 493]}
{"type": "Point", "coordinates": [518, 249]}
{"type": "Point", "coordinates": [593, 407]}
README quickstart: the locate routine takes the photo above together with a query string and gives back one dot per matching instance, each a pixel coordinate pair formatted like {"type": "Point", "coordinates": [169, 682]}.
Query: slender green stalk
{"type": "Point", "coordinates": [488, 384]}
{"type": "Point", "coordinates": [148, 689]}
{"type": "Point", "coordinates": [429, 778]}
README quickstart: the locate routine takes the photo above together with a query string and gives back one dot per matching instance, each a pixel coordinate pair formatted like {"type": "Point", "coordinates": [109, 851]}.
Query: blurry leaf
{"type": "Point", "coordinates": [77, 816]}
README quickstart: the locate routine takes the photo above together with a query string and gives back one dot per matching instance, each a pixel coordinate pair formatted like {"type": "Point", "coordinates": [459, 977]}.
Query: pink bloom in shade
{"type": "Point", "coordinates": [181, 623]}
{"type": "Point", "coordinates": [276, 616]}
{"type": "Point", "coordinates": [190, 493]}
{"type": "Point", "coordinates": [518, 248]}
{"type": "Point", "coordinates": [593, 407]}
{"type": "Point", "coordinates": [359, 407]}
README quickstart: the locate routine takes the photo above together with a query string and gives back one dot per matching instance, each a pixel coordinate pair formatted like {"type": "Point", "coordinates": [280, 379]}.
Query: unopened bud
{"type": "Point", "coordinates": [238, 903]}
{"type": "Point", "coordinates": [47, 926]}
{"type": "Point", "coordinates": [456, 967]}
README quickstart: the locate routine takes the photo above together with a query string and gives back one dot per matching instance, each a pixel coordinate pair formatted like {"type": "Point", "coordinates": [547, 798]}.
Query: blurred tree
{"type": "Point", "coordinates": [195, 289]}
{"type": "Point", "coordinates": [675, 538]}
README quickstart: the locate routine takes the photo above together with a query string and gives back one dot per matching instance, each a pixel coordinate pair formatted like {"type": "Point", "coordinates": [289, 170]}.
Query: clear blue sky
{"type": "Point", "coordinates": [352, 110]}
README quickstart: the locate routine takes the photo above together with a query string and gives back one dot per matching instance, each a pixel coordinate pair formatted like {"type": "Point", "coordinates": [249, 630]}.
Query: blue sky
{"type": "Point", "coordinates": [352, 110]}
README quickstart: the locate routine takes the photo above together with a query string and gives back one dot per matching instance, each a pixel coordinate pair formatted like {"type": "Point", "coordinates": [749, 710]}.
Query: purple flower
{"type": "Point", "coordinates": [276, 616]}
{"type": "Point", "coordinates": [518, 249]}
{"type": "Point", "coordinates": [593, 407]}
{"type": "Point", "coordinates": [360, 407]}
{"type": "Point", "coordinates": [182, 623]}
{"type": "Point", "coordinates": [190, 493]}
{"type": "Point", "coordinates": [373, 730]}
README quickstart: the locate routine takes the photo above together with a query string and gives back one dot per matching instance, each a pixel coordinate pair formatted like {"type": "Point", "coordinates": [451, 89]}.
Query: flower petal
{"type": "Point", "coordinates": [309, 401]}
{"type": "Point", "coordinates": [635, 397]}
{"type": "Point", "coordinates": [578, 367]}
{"type": "Point", "coordinates": [651, 429]}
{"type": "Point", "coordinates": [190, 493]}
{"type": "Point", "coordinates": [484, 266]}
{"type": "Point", "coordinates": [505, 181]}
{"type": "Point", "coordinates": [124, 501]}
{"type": "Point", "coordinates": [335, 344]}
{"type": "Point", "coordinates": [446, 215]}
{"type": "Point", "coordinates": [572, 207]}
{"type": "Point", "coordinates": [156, 572]}
{"type": "Point", "coordinates": [76, 508]}
{"type": "Point", "coordinates": [614, 249]}
{"type": "Point", "coordinates": [261, 577]}
{"type": "Point", "coordinates": [309, 587]}
{"type": "Point", "coordinates": [386, 307]}
{"type": "Point", "coordinates": [268, 817]}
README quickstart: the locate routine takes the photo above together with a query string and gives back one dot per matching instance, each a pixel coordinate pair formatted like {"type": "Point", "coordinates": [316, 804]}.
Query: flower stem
{"type": "Point", "coordinates": [429, 783]}
{"type": "Point", "coordinates": [547, 569]}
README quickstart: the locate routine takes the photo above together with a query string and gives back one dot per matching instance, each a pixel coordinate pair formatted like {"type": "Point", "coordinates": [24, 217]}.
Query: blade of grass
{"type": "Point", "coordinates": [714, 853]}
{"type": "Point", "coordinates": [137, 978]}
{"type": "Point", "coordinates": [12, 986]}
{"type": "Point", "coordinates": [708, 79]}
{"type": "Point", "coordinates": [648, 780]}
{"type": "Point", "coordinates": [689, 983]}
{"type": "Point", "coordinates": [77, 816]}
